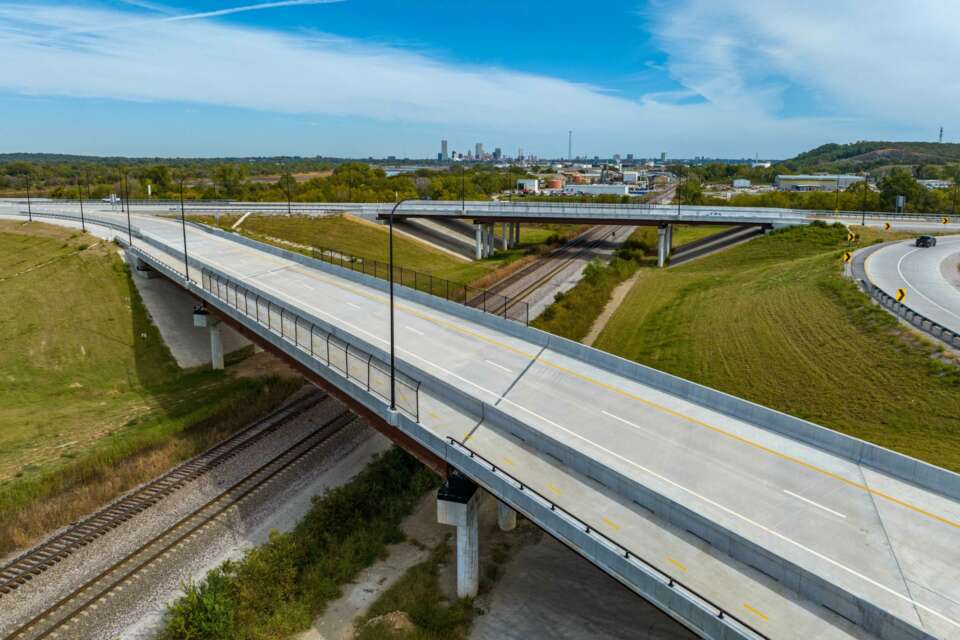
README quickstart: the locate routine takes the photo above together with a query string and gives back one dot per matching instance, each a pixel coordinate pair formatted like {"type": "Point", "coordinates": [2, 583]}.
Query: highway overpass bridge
{"type": "Point", "coordinates": [486, 214]}
{"type": "Point", "coordinates": [739, 521]}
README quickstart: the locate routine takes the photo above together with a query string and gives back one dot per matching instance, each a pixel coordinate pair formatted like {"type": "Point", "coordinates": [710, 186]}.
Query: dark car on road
{"type": "Point", "coordinates": [926, 241]}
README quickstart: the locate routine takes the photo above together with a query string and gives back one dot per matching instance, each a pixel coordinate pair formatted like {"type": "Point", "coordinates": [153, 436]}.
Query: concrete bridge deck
{"type": "Point", "coordinates": [780, 531]}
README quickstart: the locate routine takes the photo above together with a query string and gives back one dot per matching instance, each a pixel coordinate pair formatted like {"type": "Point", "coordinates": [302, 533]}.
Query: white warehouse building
{"type": "Point", "coordinates": [818, 182]}
{"type": "Point", "coordinates": [596, 190]}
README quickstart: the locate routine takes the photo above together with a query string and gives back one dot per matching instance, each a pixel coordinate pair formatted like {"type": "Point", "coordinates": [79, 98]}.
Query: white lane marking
{"type": "Point", "coordinates": [915, 288]}
{"type": "Point", "coordinates": [599, 447]}
{"type": "Point", "coordinates": [419, 333]}
{"type": "Point", "coordinates": [498, 366]}
{"type": "Point", "coordinates": [626, 422]}
{"type": "Point", "coordinates": [355, 306]}
{"type": "Point", "coordinates": [809, 501]}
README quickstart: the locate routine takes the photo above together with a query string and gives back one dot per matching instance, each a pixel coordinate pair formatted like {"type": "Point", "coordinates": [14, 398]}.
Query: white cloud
{"type": "Point", "coordinates": [888, 66]}
{"type": "Point", "coordinates": [738, 56]}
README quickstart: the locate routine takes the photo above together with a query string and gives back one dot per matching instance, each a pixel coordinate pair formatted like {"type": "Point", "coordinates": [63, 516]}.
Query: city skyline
{"type": "Point", "coordinates": [359, 78]}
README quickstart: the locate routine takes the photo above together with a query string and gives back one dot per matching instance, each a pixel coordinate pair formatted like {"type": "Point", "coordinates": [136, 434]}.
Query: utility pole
{"type": "Point", "coordinates": [836, 206]}
{"type": "Point", "coordinates": [29, 206]}
{"type": "Point", "coordinates": [863, 207]}
{"type": "Point", "coordinates": [393, 369]}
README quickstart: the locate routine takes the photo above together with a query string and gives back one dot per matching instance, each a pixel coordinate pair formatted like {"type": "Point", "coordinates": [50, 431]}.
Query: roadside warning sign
{"type": "Point", "coordinates": [847, 256]}
{"type": "Point", "coordinates": [901, 294]}
{"type": "Point", "coordinates": [851, 236]}
{"type": "Point", "coordinates": [944, 220]}
{"type": "Point", "coordinates": [886, 226]}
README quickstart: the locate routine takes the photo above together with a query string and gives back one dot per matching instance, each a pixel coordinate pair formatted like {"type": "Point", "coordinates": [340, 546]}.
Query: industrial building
{"type": "Point", "coordinates": [816, 182]}
{"type": "Point", "coordinates": [528, 185]}
{"type": "Point", "coordinates": [596, 189]}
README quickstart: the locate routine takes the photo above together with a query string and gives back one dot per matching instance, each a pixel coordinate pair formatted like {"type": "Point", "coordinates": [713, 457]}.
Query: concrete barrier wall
{"type": "Point", "coordinates": [884, 460]}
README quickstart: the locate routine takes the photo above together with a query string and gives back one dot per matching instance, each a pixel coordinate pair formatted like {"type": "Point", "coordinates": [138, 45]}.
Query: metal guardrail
{"type": "Point", "coordinates": [333, 352]}
{"type": "Point", "coordinates": [493, 303]}
{"type": "Point", "coordinates": [916, 319]}
{"type": "Point", "coordinates": [627, 554]}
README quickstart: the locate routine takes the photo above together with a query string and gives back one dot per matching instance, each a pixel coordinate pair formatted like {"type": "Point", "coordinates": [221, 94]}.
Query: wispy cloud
{"type": "Point", "coordinates": [243, 9]}
{"type": "Point", "coordinates": [734, 59]}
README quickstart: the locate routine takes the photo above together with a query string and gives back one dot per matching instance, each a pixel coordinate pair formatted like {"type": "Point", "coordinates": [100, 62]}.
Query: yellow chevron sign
{"type": "Point", "coordinates": [901, 294]}
{"type": "Point", "coordinates": [847, 256]}
{"type": "Point", "coordinates": [944, 220]}
{"type": "Point", "coordinates": [886, 226]}
{"type": "Point", "coordinates": [851, 236]}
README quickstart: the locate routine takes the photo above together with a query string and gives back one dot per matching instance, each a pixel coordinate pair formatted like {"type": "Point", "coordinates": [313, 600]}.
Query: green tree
{"type": "Point", "coordinates": [900, 183]}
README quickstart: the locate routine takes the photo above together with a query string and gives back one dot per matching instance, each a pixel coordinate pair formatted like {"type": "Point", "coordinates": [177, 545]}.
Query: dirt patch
{"type": "Point", "coordinates": [260, 364]}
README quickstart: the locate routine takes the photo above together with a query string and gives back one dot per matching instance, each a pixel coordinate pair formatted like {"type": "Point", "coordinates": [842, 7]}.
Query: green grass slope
{"type": "Point", "coordinates": [87, 382]}
{"type": "Point", "coordinates": [773, 321]}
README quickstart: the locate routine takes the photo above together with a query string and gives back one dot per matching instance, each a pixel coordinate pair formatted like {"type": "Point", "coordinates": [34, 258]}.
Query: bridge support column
{"type": "Point", "coordinates": [216, 344]}
{"type": "Point", "coordinates": [489, 241]}
{"type": "Point", "coordinates": [516, 233]}
{"type": "Point", "coordinates": [664, 240]}
{"type": "Point", "coordinates": [458, 502]}
{"type": "Point", "coordinates": [505, 239]}
{"type": "Point", "coordinates": [479, 234]}
{"type": "Point", "coordinates": [506, 517]}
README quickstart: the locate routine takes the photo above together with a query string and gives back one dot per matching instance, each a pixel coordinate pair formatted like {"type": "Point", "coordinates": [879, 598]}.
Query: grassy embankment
{"type": "Point", "coordinates": [369, 241]}
{"type": "Point", "coordinates": [278, 588]}
{"type": "Point", "coordinates": [775, 322]}
{"type": "Point", "coordinates": [92, 403]}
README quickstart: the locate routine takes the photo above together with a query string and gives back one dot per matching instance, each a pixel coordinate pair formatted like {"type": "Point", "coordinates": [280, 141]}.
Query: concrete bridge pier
{"type": "Point", "coordinates": [479, 233]}
{"type": "Point", "coordinates": [505, 237]}
{"type": "Point", "coordinates": [664, 243]}
{"type": "Point", "coordinates": [216, 345]}
{"type": "Point", "coordinates": [458, 502]}
{"type": "Point", "coordinates": [506, 517]}
{"type": "Point", "coordinates": [516, 234]}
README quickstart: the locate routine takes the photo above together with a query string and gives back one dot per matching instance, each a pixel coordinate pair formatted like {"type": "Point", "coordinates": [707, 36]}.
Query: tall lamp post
{"type": "Point", "coordinates": [183, 224]}
{"type": "Point", "coordinates": [836, 204]}
{"type": "Point", "coordinates": [29, 207]}
{"type": "Point", "coordinates": [125, 188]}
{"type": "Point", "coordinates": [83, 224]}
{"type": "Point", "coordinates": [863, 205]}
{"type": "Point", "coordinates": [393, 370]}
{"type": "Point", "coordinates": [679, 184]}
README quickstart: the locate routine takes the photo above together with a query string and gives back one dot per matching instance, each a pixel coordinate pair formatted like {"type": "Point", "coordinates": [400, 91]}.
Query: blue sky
{"type": "Point", "coordinates": [391, 77]}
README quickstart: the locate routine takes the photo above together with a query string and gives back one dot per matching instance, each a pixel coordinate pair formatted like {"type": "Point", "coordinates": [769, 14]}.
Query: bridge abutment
{"type": "Point", "coordinates": [458, 502]}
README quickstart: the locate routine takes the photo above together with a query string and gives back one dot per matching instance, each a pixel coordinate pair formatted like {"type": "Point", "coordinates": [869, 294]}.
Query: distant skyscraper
{"type": "Point", "coordinates": [478, 151]}
{"type": "Point", "coordinates": [444, 155]}
{"type": "Point", "coordinates": [663, 156]}
{"type": "Point", "coordinates": [629, 157]}
{"type": "Point", "coordinates": [497, 153]}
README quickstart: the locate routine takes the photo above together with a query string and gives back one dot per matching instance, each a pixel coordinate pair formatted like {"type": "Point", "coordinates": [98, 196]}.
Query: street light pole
{"type": "Point", "coordinates": [463, 191]}
{"type": "Point", "coordinates": [29, 206]}
{"type": "Point", "coordinates": [183, 223]}
{"type": "Point", "coordinates": [83, 224]}
{"type": "Point", "coordinates": [679, 184]}
{"type": "Point", "coordinates": [126, 192]}
{"type": "Point", "coordinates": [393, 371]}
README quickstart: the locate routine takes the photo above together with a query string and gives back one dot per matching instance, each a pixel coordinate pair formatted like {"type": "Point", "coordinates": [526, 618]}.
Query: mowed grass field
{"type": "Point", "coordinates": [775, 322]}
{"type": "Point", "coordinates": [88, 384]}
{"type": "Point", "coordinates": [369, 240]}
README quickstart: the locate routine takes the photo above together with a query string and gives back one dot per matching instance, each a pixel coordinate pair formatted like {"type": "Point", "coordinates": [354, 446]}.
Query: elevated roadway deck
{"type": "Point", "coordinates": [738, 520]}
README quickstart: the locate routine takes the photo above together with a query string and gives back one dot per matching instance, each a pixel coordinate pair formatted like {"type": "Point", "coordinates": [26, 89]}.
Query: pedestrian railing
{"type": "Point", "coordinates": [331, 351]}
{"type": "Point", "coordinates": [916, 319]}
{"type": "Point", "coordinates": [626, 553]}
{"type": "Point", "coordinates": [493, 303]}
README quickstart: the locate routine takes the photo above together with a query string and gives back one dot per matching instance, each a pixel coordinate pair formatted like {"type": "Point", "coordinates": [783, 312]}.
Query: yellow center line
{"type": "Point", "coordinates": [610, 523]}
{"type": "Point", "coordinates": [508, 460]}
{"type": "Point", "coordinates": [756, 445]}
{"type": "Point", "coordinates": [555, 489]}
{"type": "Point", "coordinates": [677, 564]}
{"type": "Point", "coordinates": [756, 612]}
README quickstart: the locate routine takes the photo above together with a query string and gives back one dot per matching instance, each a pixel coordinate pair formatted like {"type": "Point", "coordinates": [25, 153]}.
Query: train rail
{"type": "Point", "coordinates": [79, 603]}
{"type": "Point", "coordinates": [50, 552]}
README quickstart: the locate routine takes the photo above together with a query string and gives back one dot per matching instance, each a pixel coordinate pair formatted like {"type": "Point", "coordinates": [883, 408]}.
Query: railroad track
{"type": "Point", "coordinates": [50, 552]}
{"type": "Point", "coordinates": [79, 603]}
{"type": "Point", "coordinates": [525, 281]}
